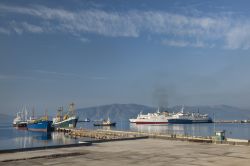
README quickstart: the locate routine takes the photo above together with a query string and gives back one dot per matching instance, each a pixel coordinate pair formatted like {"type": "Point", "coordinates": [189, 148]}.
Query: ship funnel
{"type": "Point", "coordinates": [182, 109]}
{"type": "Point", "coordinates": [158, 110]}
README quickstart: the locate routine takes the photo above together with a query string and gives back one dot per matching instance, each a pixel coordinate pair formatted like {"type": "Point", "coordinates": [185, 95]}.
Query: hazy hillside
{"type": "Point", "coordinates": [126, 111]}
{"type": "Point", "coordinates": [113, 111]}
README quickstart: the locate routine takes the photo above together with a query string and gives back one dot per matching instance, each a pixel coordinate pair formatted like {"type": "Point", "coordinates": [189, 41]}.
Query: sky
{"type": "Point", "coordinates": [161, 52]}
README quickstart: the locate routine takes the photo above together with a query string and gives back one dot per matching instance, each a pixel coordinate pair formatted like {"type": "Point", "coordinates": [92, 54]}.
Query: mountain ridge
{"type": "Point", "coordinates": [126, 111]}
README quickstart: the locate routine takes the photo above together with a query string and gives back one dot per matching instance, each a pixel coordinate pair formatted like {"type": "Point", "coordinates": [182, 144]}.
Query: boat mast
{"type": "Point", "coordinates": [71, 109]}
{"type": "Point", "coordinates": [33, 113]}
{"type": "Point", "coordinates": [25, 114]}
{"type": "Point", "coordinates": [59, 111]}
{"type": "Point", "coordinates": [46, 114]}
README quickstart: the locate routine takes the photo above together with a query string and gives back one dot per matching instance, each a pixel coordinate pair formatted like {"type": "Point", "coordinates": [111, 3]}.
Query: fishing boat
{"type": "Point", "coordinates": [68, 120]}
{"type": "Point", "coordinates": [41, 124]}
{"type": "Point", "coordinates": [20, 120]}
{"type": "Point", "coordinates": [85, 120]}
{"type": "Point", "coordinates": [104, 123]}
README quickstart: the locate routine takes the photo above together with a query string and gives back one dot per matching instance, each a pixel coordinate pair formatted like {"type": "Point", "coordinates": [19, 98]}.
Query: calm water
{"type": "Point", "coordinates": [236, 130]}
{"type": "Point", "coordinates": [11, 138]}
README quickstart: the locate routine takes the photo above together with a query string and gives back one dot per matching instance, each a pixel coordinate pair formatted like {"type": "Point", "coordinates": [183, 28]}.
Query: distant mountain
{"type": "Point", "coordinates": [113, 111]}
{"type": "Point", "coordinates": [123, 112]}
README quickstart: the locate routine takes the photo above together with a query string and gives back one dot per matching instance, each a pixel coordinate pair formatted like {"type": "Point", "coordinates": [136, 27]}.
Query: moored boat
{"type": "Point", "coordinates": [85, 120]}
{"type": "Point", "coordinates": [151, 118]}
{"type": "Point", "coordinates": [41, 124]}
{"type": "Point", "coordinates": [20, 120]}
{"type": "Point", "coordinates": [104, 123]}
{"type": "Point", "coordinates": [69, 120]}
{"type": "Point", "coordinates": [188, 118]}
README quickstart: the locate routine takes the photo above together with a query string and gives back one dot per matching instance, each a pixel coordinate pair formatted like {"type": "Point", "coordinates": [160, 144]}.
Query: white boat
{"type": "Point", "coordinates": [187, 117]}
{"type": "Point", "coordinates": [174, 118]}
{"type": "Point", "coordinates": [107, 122]}
{"type": "Point", "coordinates": [20, 120]}
{"type": "Point", "coordinates": [151, 118]}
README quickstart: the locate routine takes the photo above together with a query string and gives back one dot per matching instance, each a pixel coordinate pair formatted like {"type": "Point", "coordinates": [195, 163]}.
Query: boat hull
{"type": "Point", "coordinates": [111, 124]}
{"type": "Point", "coordinates": [142, 122]}
{"type": "Point", "coordinates": [43, 126]}
{"type": "Point", "coordinates": [180, 121]}
{"type": "Point", "coordinates": [188, 121]}
{"type": "Point", "coordinates": [203, 121]}
{"type": "Point", "coordinates": [68, 123]}
{"type": "Point", "coordinates": [20, 125]}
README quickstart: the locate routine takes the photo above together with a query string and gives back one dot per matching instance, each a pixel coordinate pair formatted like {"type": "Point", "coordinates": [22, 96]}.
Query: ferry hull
{"type": "Point", "coordinates": [151, 122]}
{"type": "Point", "coordinates": [188, 121]}
{"type": "Point", "coordinates": [203, 121]}
{"type": "Point", "coordinates": [43, 126]}
{"type": "Point", "coordinates": [180, 121]}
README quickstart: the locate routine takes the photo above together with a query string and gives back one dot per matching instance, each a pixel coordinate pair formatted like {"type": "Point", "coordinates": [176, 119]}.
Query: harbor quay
{"type": "Point", "coordinates": [134, 152]}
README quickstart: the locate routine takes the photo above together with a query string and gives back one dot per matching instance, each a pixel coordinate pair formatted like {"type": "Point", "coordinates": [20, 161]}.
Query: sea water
{"type": "Point", "coordinates": [12, 138]}
{"type": "Point", "coordinates": [233, 130]}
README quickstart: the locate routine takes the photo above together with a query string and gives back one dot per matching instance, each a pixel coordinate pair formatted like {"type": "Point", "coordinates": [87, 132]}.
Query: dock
{"type": "Point", "coordinates": [100, 135]}
{"type": "Point", "coordinates": [231, 121]}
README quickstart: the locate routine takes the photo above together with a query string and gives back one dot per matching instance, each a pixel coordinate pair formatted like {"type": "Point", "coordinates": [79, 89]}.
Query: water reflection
{"type": "Point", "coordinates": [43, 137]}
{"type": "Point", "coordinates": [183, 129]}
{"type": "Point", "coordinates": [241, 131]}
{"type": "Point", "coordinates": [159, 129]}
{"type": "Point", "coordinates": [36, 139]}
{"type": "Point", "coordinates": [11, 138]}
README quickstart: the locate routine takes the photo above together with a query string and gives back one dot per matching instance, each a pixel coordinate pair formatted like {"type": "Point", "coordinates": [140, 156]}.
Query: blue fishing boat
{"type": "Point", "coordinates": [42, 124]}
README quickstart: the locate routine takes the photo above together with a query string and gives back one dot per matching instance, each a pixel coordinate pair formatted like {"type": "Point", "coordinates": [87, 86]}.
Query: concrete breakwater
{"type": "Point", "coordinates": [111, 135]}
{"type": "Point", "coordinates": [101, 134]}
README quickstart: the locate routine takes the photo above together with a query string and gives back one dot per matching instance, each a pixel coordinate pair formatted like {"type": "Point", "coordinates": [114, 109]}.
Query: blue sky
{"type": "Point", "coordinates": [103, 52]}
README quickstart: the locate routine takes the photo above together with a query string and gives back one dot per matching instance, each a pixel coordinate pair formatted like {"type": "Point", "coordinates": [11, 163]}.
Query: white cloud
{"type": "Point", "coordinates": [84, 40]}
{"type": "Point", "coordinates": [238, 37]}
{"type": "Point", "coordinates": [19, 31]}
{"type": "Point", "coordinates": [13, 77]}
{"type": "Point", "coordinates": [32, 28]}
{"type": "Point", "coordinates": [183, 43]}
{"type": "Point", "coordinates": [54, 73]}
{"type": "Point", "coordinates": [200, 31]}
{"type": "Point", "coordinates": [4, 31]}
